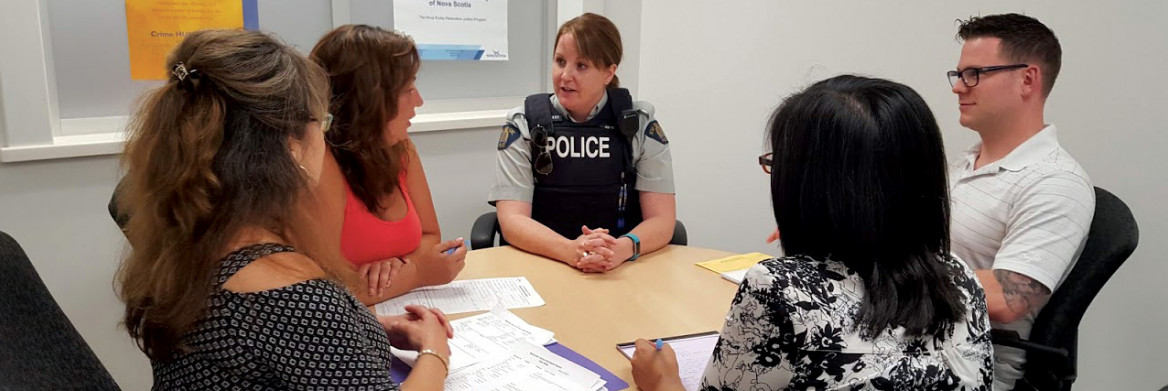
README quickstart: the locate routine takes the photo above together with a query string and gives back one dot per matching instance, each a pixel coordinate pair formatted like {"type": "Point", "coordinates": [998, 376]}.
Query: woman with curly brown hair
{"type": "Point", "coordinates": [227, 285]}
{"type": "Point", "coordinates": [373, 195]}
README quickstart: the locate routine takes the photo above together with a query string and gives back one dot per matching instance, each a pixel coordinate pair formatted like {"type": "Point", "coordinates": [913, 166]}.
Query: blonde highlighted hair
{"type": "Point", "coordinates": [208, 157]}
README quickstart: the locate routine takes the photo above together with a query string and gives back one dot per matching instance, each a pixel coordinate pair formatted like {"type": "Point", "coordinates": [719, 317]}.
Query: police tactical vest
{"type": "Point", "coordinates": [593, 177]}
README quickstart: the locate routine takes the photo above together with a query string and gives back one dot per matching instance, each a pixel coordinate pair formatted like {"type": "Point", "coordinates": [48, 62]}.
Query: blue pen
{"type": "Point", "coordinates": [659, 344]}
{"type": "Point", "coordinates": [452, 249]}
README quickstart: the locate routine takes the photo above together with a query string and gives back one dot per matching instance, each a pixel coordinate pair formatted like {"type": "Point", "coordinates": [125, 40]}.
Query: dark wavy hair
{"type": "Point", "coordinates": [207, 157]}
{"type": "Point", "coordinates": [1024, 39]}
{"type": "Point", "coordinates": [859, 176]}
{"type": "Point", "coordinates": [368, 68]}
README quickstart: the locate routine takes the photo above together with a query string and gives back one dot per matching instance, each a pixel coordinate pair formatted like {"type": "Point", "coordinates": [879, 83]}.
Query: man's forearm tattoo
{"type": "Point", "coordinates": [1023, 294]}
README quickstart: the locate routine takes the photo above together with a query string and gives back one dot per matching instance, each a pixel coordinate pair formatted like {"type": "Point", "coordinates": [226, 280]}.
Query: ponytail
{"type": "Point", "coordinates": [206, 156]}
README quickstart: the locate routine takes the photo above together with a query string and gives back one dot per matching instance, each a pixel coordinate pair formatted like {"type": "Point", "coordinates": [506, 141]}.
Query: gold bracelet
{"type": "Point", "coordinates": [445, 363]}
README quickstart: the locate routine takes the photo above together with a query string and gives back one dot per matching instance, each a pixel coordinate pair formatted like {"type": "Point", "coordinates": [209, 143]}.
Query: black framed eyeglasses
{"type": "Point", "coordinates": [543, 160]}
{"type": "Point", "coordinates": [971, 76]}
{"type": "Point", "coordinates": [767, 161]}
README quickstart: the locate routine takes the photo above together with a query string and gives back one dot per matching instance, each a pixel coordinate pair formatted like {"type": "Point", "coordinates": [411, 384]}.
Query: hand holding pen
{"type": "Point", "coordinates": [655, 366]}
{"type": "Point", "coordinates": [445, 263]}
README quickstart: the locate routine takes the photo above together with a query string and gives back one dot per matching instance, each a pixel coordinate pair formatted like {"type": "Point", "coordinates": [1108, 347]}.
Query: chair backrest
{"type": "Point", "coordinates": [39, 348]}
{"type": "Point", "coordinates": [1112, 238]}
{"type": "Point", "coordinates": [120, 216]}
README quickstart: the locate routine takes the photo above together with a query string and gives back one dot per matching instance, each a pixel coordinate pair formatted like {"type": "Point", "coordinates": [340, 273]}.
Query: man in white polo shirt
{"type": "Point", "coordinates": [1022, 205]}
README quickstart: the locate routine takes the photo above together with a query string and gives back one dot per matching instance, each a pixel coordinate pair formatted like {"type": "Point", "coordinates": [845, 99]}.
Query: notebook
{"type": "Point", "coordinates": [693, 353]}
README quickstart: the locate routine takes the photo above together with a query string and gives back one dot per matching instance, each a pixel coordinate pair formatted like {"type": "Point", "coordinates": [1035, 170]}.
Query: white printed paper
{"type": "Point", "coordinates": [481, 337]}
{"type": "Point", "coordinates": [528, 367]}
{"type": "Point", "coordinates": [735, 276]}
{"type": "Point", "coordinates": [455, 29]}
{"type": "Point", "coordinates": [467, 296]}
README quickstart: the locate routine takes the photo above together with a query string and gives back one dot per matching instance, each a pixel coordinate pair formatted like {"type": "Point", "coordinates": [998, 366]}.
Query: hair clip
{"type": "Point", "coordinates": [181, 73]}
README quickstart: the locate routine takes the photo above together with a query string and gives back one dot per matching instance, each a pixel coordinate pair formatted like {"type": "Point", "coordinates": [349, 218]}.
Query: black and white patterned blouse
{"type": "Point", "coordinates": [312, 335]}
{"type": "Point", "coordinates": [792, 326]}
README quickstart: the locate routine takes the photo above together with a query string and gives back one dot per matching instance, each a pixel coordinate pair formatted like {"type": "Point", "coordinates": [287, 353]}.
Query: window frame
{"type": "Point", "coordinates": [31, 127]}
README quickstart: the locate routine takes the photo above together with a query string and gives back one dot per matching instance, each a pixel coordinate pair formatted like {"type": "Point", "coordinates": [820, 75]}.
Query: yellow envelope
{"type": "Point", "coordinates": [734, 262]}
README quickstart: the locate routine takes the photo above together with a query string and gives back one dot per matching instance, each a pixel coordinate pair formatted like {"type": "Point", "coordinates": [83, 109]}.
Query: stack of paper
{"type": "Point", "coordinates": [733, 268]}
{"type": "Point", "coordinates": [527, 367]}
{"type": "Point", "coordinates": [499, 351]}
{"type": "Point", "coordinates": [466, 296]}
{"type": "Point", "coordinates": [480, 337]}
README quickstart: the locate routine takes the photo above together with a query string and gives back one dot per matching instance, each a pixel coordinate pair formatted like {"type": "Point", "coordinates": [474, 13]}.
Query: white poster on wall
{"type": "Point", "coordinates": [474, 30]}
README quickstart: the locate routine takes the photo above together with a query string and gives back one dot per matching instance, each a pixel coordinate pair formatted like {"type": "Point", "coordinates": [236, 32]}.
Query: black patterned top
{"type": "Point", "coordinates": [792, 326]}
{"type": "Point", "coordinates": [311, 335]}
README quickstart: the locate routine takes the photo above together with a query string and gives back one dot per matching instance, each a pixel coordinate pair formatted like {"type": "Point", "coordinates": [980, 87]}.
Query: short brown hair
{"type": "Point", "coordinates": [597, 39]}
{"type": "Point", "coordinates": [368, 69]}
{"type": "Point", "coordinates": [1023, 39]}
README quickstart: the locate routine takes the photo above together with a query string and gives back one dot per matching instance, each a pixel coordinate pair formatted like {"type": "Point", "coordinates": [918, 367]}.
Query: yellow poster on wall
{"type": "Point", "coordinates": [155, 27]}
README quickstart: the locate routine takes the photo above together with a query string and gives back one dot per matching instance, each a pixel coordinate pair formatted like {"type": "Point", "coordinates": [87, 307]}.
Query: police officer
{"type": "Point", "coordinates": [584, 175]}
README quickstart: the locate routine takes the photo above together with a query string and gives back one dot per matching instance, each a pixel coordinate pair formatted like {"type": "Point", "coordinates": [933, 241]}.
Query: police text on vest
{"type": "Point", "coordinates": [590, 146]}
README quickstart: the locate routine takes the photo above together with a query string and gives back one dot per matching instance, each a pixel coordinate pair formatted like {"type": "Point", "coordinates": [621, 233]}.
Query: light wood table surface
{"type": "Point", "coordinates": [658, 295]}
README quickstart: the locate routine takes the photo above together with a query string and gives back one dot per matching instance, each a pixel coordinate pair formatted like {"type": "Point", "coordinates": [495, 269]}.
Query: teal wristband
{"type": "Point", "coordinates": [636, 246]}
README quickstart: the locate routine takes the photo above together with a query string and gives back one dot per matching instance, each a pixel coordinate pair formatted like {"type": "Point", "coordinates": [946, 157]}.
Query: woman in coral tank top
{"type": "Point", "coordinates": [373, 191]}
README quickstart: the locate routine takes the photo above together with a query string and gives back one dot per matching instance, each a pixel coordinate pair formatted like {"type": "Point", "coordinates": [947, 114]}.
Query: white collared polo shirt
{"type": "Point", "coordinates": [1028, 213]}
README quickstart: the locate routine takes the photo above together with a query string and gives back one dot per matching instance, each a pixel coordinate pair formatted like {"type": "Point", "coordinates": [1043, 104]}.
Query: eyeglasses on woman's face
{"type": "Point", "coordinates": [325, 123]}
{"type": "Point", "coordinates": [767, 161]}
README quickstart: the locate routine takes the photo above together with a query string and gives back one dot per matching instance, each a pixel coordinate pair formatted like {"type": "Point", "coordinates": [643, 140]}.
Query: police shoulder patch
{"type": "Point", "coordinates": [508, 136]}
{"type": "Point", "coordinates": [655, 132]}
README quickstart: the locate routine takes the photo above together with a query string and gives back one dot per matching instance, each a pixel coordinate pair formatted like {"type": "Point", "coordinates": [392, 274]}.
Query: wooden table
{"type": "Point", "coordinates": [658, 295]}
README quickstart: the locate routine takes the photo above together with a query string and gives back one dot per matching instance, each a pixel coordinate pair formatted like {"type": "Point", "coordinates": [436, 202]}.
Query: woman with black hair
{"type": "Point", "coordinates": [868, 296]}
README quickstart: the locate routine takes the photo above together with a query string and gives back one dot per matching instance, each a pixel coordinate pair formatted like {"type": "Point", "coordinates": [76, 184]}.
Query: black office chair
{"type": "Point", "coordinates": [1052, 350]}
{"type": "Point", "coordinates": [120, 217]}
{"type": "Point", "coordinates": [39, 348]}
{"type": "Point", "coordinates": [486, 230]}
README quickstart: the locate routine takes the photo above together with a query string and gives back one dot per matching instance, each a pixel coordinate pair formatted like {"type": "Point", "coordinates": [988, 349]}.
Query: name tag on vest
{"type": "Point", "coordinates": [579, 147]}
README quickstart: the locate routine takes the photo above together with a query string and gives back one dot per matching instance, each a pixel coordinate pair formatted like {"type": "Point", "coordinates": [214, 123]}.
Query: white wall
{"type": "Point", "coordinates": [715, 70]}
{"type": "Point", "coordinates": [56, 210]}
